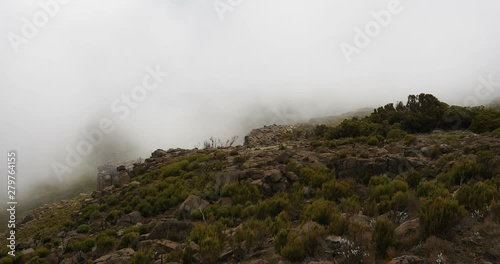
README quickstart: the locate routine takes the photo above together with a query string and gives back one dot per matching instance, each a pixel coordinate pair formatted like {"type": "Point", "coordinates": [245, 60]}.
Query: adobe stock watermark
{"type": "Point", "coordinates": [483, 91]}
{"type": "Point", "coordinates": [372, 29]}
{"type": "Point", "coordinates": [224, 6]}
{"type": "Point", "coordinates": [40, 19]}
{"type": "Point", "coordinates": [122, 108]}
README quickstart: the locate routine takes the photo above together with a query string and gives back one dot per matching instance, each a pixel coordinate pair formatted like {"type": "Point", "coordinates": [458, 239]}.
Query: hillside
{"type": "Point", "coordinates": [406, 184]}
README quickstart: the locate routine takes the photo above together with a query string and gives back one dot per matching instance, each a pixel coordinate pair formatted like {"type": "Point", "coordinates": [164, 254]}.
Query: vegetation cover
{"type": "Point", "coordinates": [412, 181]}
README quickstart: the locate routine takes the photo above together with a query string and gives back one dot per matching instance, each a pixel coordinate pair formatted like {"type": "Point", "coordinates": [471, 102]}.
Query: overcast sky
{"type": "Point", "coordinates": [232, 65]}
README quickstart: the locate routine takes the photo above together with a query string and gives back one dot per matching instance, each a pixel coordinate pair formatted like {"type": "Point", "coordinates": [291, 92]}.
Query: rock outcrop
{"type": "Point", "coordinates": [171, 229]}
{"type": "Point", "coordinates": [118, 257]}
{"type": "Point", "coordinates": [192, 203]}
{"type": "Point", "coordinates": [362, 167]}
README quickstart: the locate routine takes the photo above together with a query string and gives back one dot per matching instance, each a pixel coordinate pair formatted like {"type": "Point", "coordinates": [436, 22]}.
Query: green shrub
{"type": "Point", "coordinates": [83, 229]}
{"type": "Point", "coordinates": [300, 244]}
{"type": "Point", "coordinates": [281, 239]}
{"type": "Point", "coordinates": [476, 197]}
{"type": "Point", "coordinates": [80, 245]}
{"type": "Point", "coordinates": [145, 208]}
{"type": "Point", "coordinates": [400, 201]}
{"type": "Point", "coordinates": [112, 201]}
{"type": "Point", "coordinates": [42, 252]}
{"type": "Point", "coordinates": [341, 154]}
{"type": "Point", "coordinates": [339, 225]}
{"type": "Point", "coordinates": [252, 233]}
{"type": "Point", "coordinates": [129, 240]}
{"type": "Point", "coordinates": [315, 176]}
{"type": "Point", "coordinates": [199, 232]}
{"type": "Point", "coordinates": [485, 163]}
{"type": "Point", "coordinates": [372, 141]}
{"type": "Point", "coordinates": [334, 190]}
{"type": "Point", "coordinates": [383, 235]}
{"type": "Point", "coordinates": [461, 172]}
{"type": "Point", "coordinates": [410, 140]}
{"type": "Point", "coordinates": [350, 205]}
{"type": "Point", "coordinates": [90, 212]}
{"type": "Point", "coordinates": [143, 257]}
{"type": "Point", "coordinates": [413, 178]}
{"type": "Point", "coordinates": [273, 206]}
{"type": "Point", "coordinates": [113, 216]}
{"type": "Point", "coordinates": [210, 249]}
{"type": "Point", "coordinates": [320, 211]}
{"type": "Point", "coordinates": [294, 249]}
{"type": "Point", "coordinates": [105, 243]}
{"type": "Point", "coordinates": [495, 211]}
{"type": "Point", "coordinates": [485, 120]}
{"type": "Point", "coordinates": [249, 211]}
{"type": "Point", "coordinates": [103, 207]}
{"type": "Point", "coordinates": [241, 192]}
{"type": "Point", "coordinates": [174, 169]}
{"type": "Point", "coordinates": [431, 189]}
{"type": "Point", "coordinates": [440, 214]}
{"type": "Point", "coordinates": [395, 134]}
{"type": "Point", "coordinates": [388, 193]}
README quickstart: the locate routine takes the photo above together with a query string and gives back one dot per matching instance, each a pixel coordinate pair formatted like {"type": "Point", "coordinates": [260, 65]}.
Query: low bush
{"type": "Point", "coordinates": [273, 206]}
{"type": "Point", "coordinates": [80, 245]}
{"type": "Point", "coordinates": [476, 197]}
{"type": "Point", "coordinates": [253, 233]}
{"type": "Point", "coordinates": [395, 134]}
{"type": "Point", "coordinates": [372, 141]}
{"type": "Point", "coordinates": [410, 140]}
{"type": "Point", "coordinates": [104, 244]}
{"type": "Point", "coordinates": [144, 208]}
{"type": "Point", "coordinates": [143, 257]}
{"type": "Point", "coordinates": [383, 235]}
{"type": "Point", "coordinates": [320, 210]}
{"type": "Point", "coordinates": [431, 189]}
{"type": "Point", "coordinates": [83, 229]}
{"type": "Point", "coordinates": [241, 192]}
{"type": "Point", "coordinates": [335, 190]}
{"type": "Point", "coordinates": [129, 240]}
{"type": "Point", "coordinates": [439, 214]}
{"type": "Point", "coordinates": [210, 249]}
{"type": "Point", "coordinates": [300, 245]}
{"type": "Point", "coordinates": [42, 252]}
{"type": "Point", "coordinates": [495, 211]}
{"type": "Point", "coordinates": [315, 176]}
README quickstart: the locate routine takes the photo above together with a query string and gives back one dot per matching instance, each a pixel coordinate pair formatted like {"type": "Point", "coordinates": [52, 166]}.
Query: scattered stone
{"type": "Point", "coordinates": [159, 153]}
{"type": "Point", "coordinates": [27, 218]}
{"type": "Point", "coordinates": [426, 151]}
{"type": "Point", "coordinates": [444, 148]}
{"type": "Point", "coordinates": [171, 229]}
{"type": "Point", "coordinates": [130, 219]}
{"type": "Point", "coordinates": [28, 252]}
{"type": "Point", "coordinates": [407, 229]}
{"type": "Point", "coordinates": [118, 257]}
{"type": "Point", "coordinates": [159, 246]}
{"type": "Point", "coordinates": [76, 258]}
{"type": "Point", "coordinates": [292, 176]}
{"type": "Point", "coordinates": [224, 178]}
{"type": "Point", "coordinates": [272, 176]}
{"type": "Point", "coordinates": [333, 244]}
{"type": "Point", "coordinates": [191, 203]}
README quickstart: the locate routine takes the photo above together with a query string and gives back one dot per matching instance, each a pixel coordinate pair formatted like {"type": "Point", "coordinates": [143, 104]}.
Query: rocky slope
{"type": "Point", "coordinates": [284, 196]}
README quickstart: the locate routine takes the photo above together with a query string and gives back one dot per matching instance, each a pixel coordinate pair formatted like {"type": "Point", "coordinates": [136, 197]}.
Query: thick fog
{"type": "Point", "coordinates": [148, 74]}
